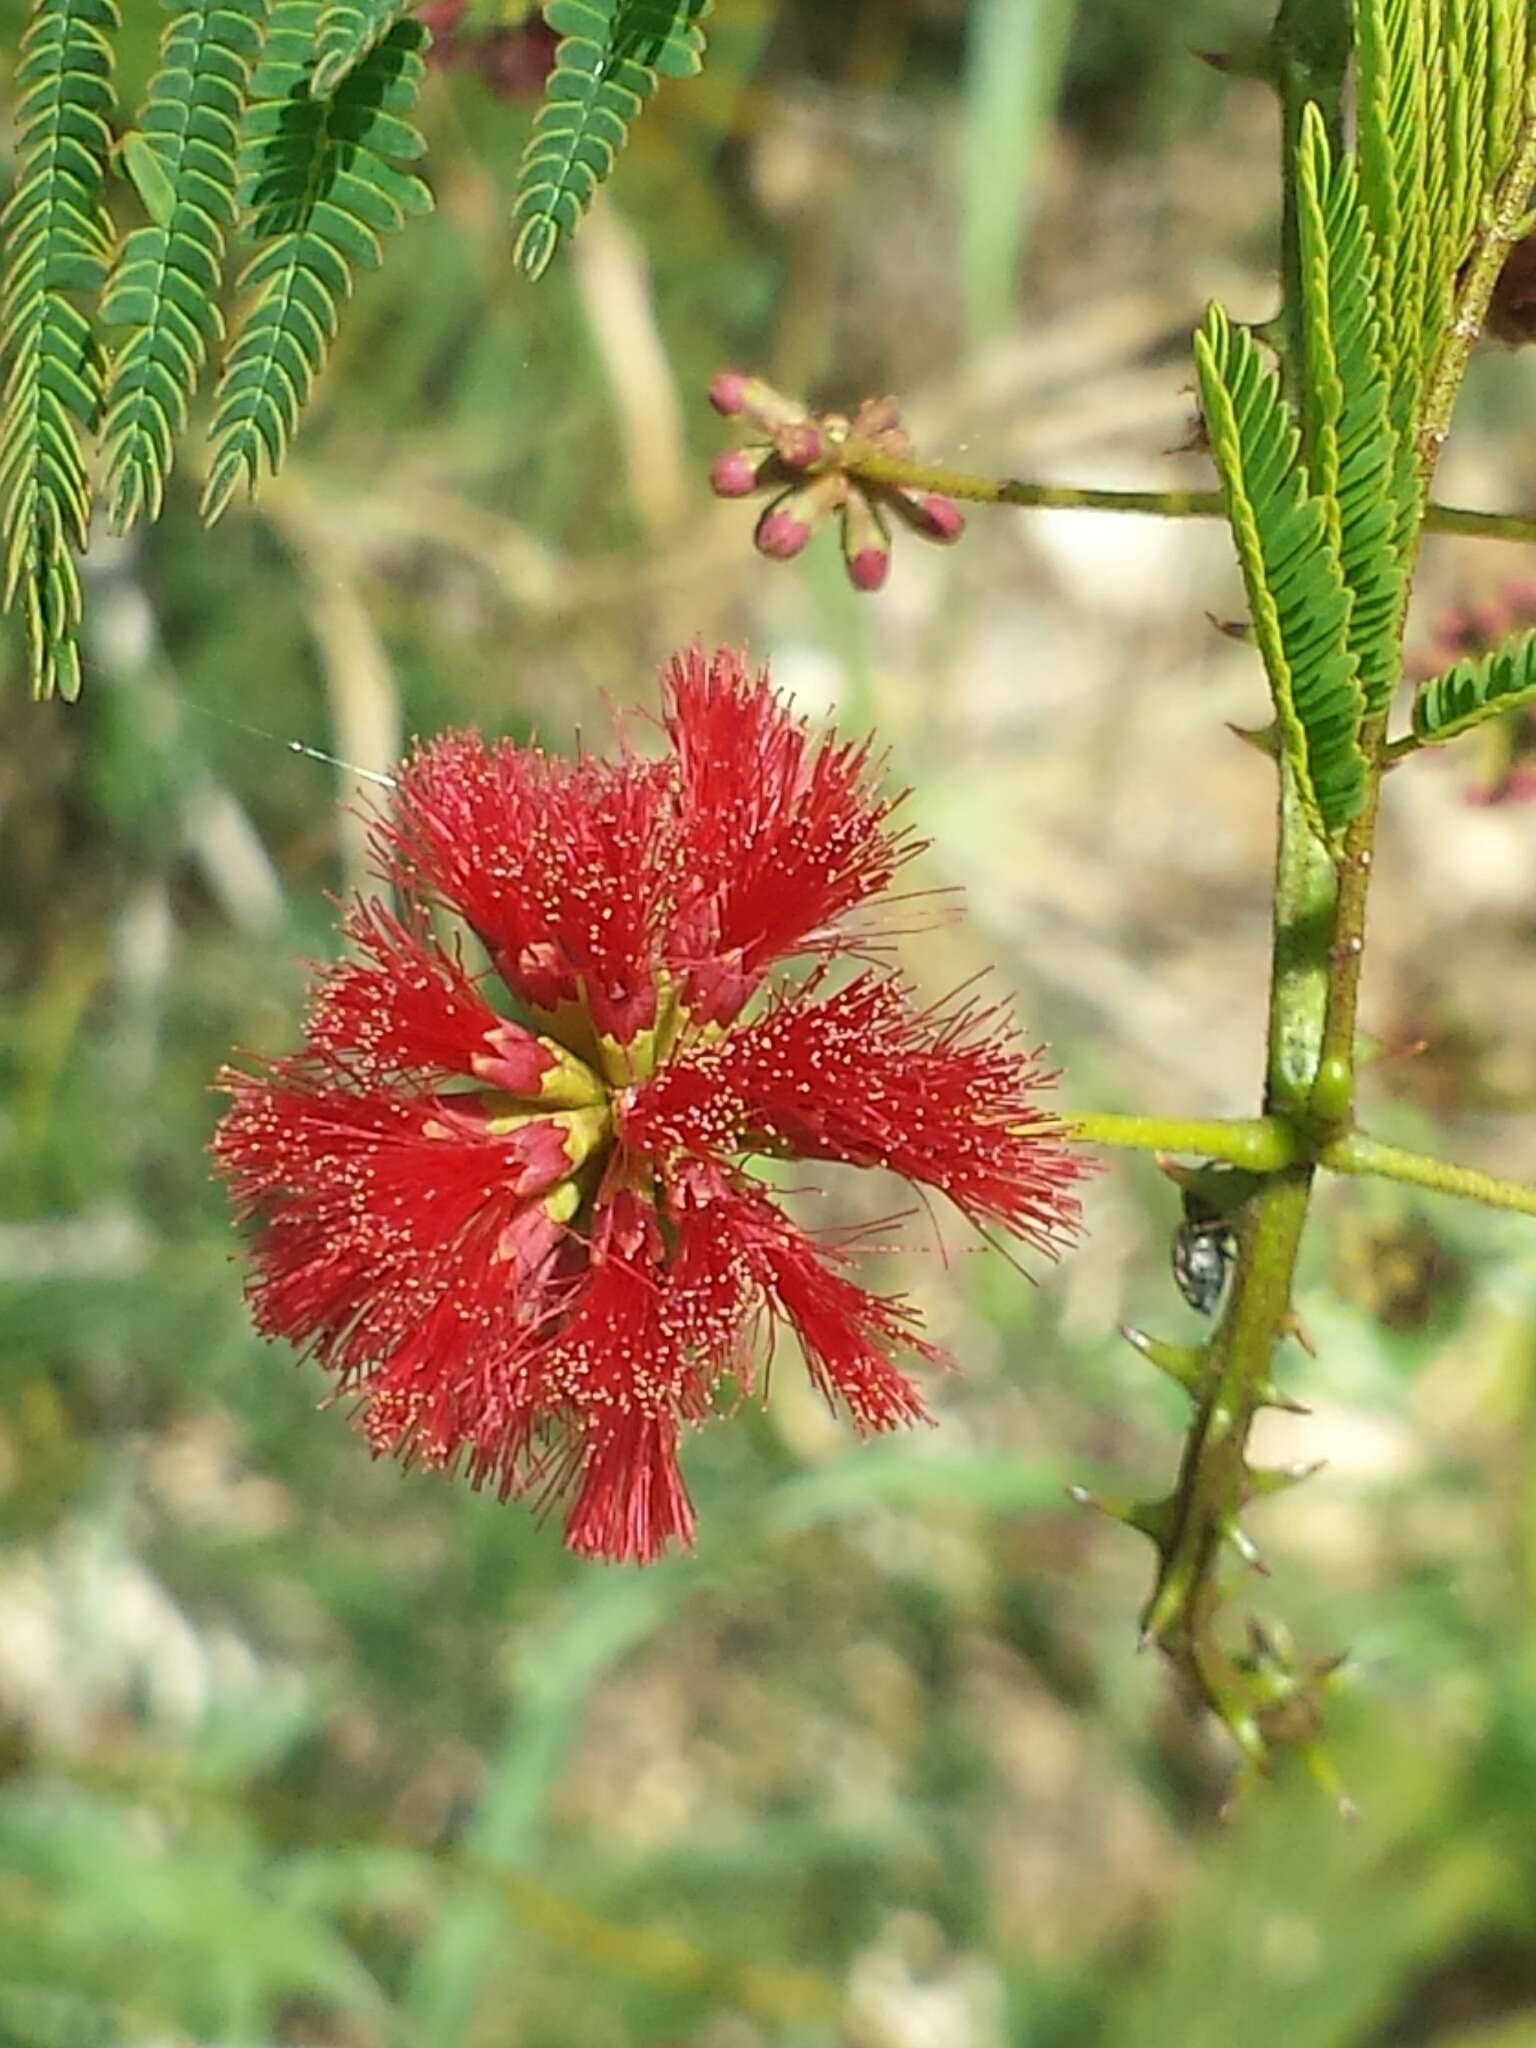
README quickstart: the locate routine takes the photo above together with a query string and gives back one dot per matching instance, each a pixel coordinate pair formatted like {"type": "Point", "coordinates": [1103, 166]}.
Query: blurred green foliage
{"type": "Point", "coordinates": [295, 1748]}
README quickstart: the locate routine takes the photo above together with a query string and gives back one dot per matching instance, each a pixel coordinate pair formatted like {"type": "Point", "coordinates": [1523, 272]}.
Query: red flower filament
{"type": "Point", "coordinates": [512, 1210]}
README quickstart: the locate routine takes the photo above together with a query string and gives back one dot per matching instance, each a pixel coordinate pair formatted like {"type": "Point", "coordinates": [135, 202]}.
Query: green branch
{"type": "Point", "coordinates": [1262, 1700]}
{"type": "Point", "coordinates": [1357, 1154]}
{"type": "Point", "coordinates": [1215, 1481]}
{"type": "Point", "coordinates": [862, 459]}
{"type": "Point", "coordinates": [1262, 1144]}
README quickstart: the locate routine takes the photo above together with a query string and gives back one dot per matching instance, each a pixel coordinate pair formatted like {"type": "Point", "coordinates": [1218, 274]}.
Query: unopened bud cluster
{"type": "Point", "coordinates": [809, 464]}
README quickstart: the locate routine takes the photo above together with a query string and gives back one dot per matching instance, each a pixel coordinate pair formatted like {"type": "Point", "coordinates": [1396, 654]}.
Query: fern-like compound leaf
{"type": "Point", "coordinates": [56, 243]}
{"type": "Point", "coordinates": [607, 65]}
{"type": "Point", "coordinates": [348, 30]}
{"type": "Point", "coordinates": [1360, 468]}
{"type": "Point", "coordinates": [1393, 117]}
{"type": "Point", "coordinates": [1479, 688]}
{"type": "Point", "coordinates": [1438, 95]}
{"type": "Point", "coordinates": [317, 180]}
{"type": "Point", "coordinates": [163, 291]}
{"type": "Point", "coordinates": [1510, 31]}
{"type": "Point", "coordinates": [1460, 180]}
{"type": "Point", "coordinates": [1296, 591]}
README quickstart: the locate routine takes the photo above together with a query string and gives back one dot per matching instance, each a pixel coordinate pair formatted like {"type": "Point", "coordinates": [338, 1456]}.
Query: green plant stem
{"type": "Point", "coordinates": [862, 459]}
{"type": "Point", "coordinates": [1213, 1480]}
{"type": "Point", "coordinates": [1410, 743]}
{"type": "Point", "coordinates": [1319, 940]}
{"type": "Point", "coordinates": [1262, 1144]}
{"type": "Point", "coordinates": [1306, 896]}
{"type": "Point", "coordinates": [1517, 526]}
{"type": "Point", "coordinates": [1355, 1153]}
{"type": "Point", "coordinates": [1268, 1144]}
{"type": "Point", "coordinates": [1308, 54]}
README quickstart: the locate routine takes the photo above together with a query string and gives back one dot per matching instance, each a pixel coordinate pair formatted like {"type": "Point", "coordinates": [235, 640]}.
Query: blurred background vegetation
{"type": "Point", "coordinates": [297, 1749]}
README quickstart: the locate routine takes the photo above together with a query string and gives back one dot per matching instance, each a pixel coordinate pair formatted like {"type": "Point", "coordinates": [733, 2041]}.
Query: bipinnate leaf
{"type": "Point", "coordinates": [164, 287]}
{"type": "Point", "coordinates": [607, 65]}
{"type": "Point", "coordinates": [319, 186]}
{"type": "Point", "coordinates": [56, 240]}
{"type": "Point", "coordinates": [348, 30]}
{"type": "Point", "coordinates": [1296, 591]}
{"type": "Point", "coordinates": [1474, 690]}
{"type": "Point", "coordinates": [1359, 467]}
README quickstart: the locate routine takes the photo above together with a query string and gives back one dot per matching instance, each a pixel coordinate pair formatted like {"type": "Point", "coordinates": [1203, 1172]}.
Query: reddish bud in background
{"type": "Point", "coordinates": [512, 59]}
{"type": "Point", "coordinates": [1511, 316]}
{"type": "Point", "coordinates": [1506, 746]}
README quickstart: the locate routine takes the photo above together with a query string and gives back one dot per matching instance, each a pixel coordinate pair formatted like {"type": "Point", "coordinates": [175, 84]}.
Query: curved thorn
{"type": "Point", "coordinates": [1185, 1363]}
{"type": "Point", "coordinates": [1246, 1548]}
{"type": "Point", "coordinates": [1291, 1325]}
{"type": "Point", "coordinates": [1266, 1479]}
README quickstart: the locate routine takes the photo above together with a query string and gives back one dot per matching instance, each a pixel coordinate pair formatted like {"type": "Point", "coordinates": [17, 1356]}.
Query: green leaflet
{"type": "Point", "coordinates": [56, 242]}
{"type": "Point", "coordinates": [1392, 102]}
{"type": "Point", "coordinates": [1296, 591]}
{"type": "Point", "coordinates": [148, 177]}
{"type": "Point", "coordinates": [316, 180]}
{"type": "Point", "coordinates": [348, 30]}
{"type": "Point", "coordinates": [1458, 60]}
{"type": "Point", "coordinates": [1438, 85]}
{"type": "Point", "coordinates": [165, 282]}
{"type": "Point", "coordinates": [1509, 38]}
{"type": "Point", "coordinates": [1479, 688]}
{"type": "Point", "coordinates": [1361, 470]}
{"type": "Point", "coordinates": [606, 67]}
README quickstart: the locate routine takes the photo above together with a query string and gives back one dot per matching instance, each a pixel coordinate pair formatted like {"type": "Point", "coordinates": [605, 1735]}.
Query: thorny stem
{"type": "Point", "coordinates": [862, 459]}
{"type": "Point", "coordinates": [1319, 941]}
{"type": "Point", "coordinates": [1215, 1481]}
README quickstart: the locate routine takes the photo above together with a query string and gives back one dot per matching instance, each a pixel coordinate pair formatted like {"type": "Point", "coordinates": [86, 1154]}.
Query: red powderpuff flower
{"type": "Point", "coordinates": [512, 1209]}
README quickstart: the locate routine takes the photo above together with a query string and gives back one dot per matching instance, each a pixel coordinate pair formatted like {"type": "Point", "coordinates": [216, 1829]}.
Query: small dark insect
{"type": "Point", "coordinates": [1203, 1249]}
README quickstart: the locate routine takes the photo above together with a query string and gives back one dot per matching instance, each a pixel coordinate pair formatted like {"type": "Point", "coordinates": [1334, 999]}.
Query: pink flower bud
{"type": "Point", "coordinates": [728, 392]}
{"type": "Point", "coordinates": [734, 474]}
{"type": "Point", "coordinates": [800, 445]}
{"type": "Point", "coordinates": [866, 542]}
{"type": "Point", "coordinates": [948, 520]}
{"type": "Point", "coordinates": [930, 514]}
{"type": "Point", "coordinates": [781, 534]}
{"type": "Point", "coordinates": [733, 392]}
{"type": "Point", "coordinates": [868, 569]}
